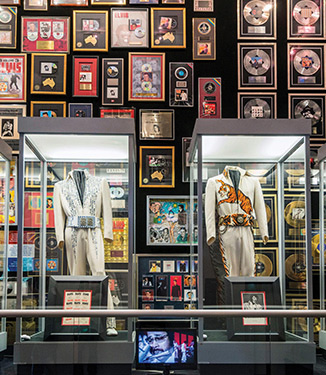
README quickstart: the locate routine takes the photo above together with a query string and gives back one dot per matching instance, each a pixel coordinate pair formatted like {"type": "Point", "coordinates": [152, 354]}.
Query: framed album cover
{"type": "Point", "coordinates": [203, 5]}
{"type": "Point", "coordinates": [168, 27]}
{"type": "Point", "coordinates": [85, 75]}
{"type": "Point", "coordinates": [257, 66]}
{"type": "Point", "coordinates": [108, 2]}
{"type": "Point", "coordinates": [117, 113]}
{"type": "Point", "coordinates": [203, 39]}
{"type": "Point", "coordinates": [112, 86]}
{"type": "Point", "coordinates": [256, 105]}
{"type": "Point", "coordinates": [90, 30]}
{"type": "Point", "coordinates": [129, 28]}
{"type": "Point", "coordinates": [306, 19]}
{"type": "Point", "coordinates": [156, 124]}
{"type": "Point", "coordinates": [311, 107]}
{"type": "Point", "coordinates": [8, 27]}
{"type": "Point", "coordinates": [306, 66]}
{"type": "Point", "coordinates": [209, 98]}
{"type": "Point", "coordinates": [185, 159]}
{"type": "Point", "coordinates": [181, 84]}
{"type": "Point", "coordinates": [48, 73]}
{"type": "Point", "coordinates": [256, 19]}
{"type": "Point", "coordinates": [72, 3]}
{"type": "Point", "coordinates": [37, 5]}
{"type": "Point", "coordinates": [156, 167]}
{"type": "Point", "coordinates": [80, 110]}
{"type": "Point", "coordinates": [146, 76]}
{"type": "Point", "coordinates": [48, 109]}
{"type": "Point", "coordinates": [13, 77]}
{"type": "Point", "coordinates": [45, 34]}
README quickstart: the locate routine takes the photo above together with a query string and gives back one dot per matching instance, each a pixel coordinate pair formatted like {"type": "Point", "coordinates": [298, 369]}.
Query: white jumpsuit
{"type": "Point", "coordinates": [84, 244]}
{"type": "Point", "coordinates": [237, 209]}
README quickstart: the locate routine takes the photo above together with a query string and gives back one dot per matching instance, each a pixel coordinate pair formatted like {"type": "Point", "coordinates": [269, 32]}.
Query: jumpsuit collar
{"type": "Point", "coordinates": [234, 168]}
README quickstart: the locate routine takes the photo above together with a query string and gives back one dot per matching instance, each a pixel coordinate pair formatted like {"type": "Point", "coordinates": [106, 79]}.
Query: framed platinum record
{"type": "Point", "coordinates": [112, 73]}
{"type": "Point", "coordinates": [257, 66]}
{"type": "Point", "coordinates": [181, 84]}
{"type": "Point", "coordinates": [209, 97]}
{"type": "Point", "coordinates": [256, 19]}
{"type": "Point", "coordinates": [156, 124]}
{"type": "Point", "coordinates": [203, 5]}
{"type": "Point", "coordinates": [203, 38]}
{"type": "Point", "coordinates": [256, 105]}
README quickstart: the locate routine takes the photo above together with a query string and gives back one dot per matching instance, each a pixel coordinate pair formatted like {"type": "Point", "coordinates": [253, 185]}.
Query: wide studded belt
{"type": "Point", "coordinates": [236, 220]}
{"type": "Point", "coordinates": [83, 222]}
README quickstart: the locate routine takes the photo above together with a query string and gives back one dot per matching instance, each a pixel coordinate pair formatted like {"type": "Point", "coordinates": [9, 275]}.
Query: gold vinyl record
{"type": "Point", "coordinates": [295, 213]}
{"type": "Point", "coordinates": [257, 108]}
{"type": "Point", "coordinates": [264, 266]}
{"type": "Point", "coordinates": [295, 267]}
{"type": "Point", "coordinates": [309, 110]}
{"type": "Point", "coordinates": [306, 62]}
{"type": "Point", "coordinates": [306, 12]}
{"type": "Point", "coordinates": [256, 12]}
{"type": "Point", "coordinates": [257, 62]}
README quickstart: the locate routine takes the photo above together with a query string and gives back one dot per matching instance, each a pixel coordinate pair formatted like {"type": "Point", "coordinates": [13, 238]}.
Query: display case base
{"type": "Point", "coordinates": [3, 341]}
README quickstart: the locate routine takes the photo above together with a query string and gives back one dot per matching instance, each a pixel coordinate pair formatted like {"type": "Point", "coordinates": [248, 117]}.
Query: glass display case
{"type": "Point", "coordinates": [77, 187]}
{"type": "Point", "coordinates": [252, 182]}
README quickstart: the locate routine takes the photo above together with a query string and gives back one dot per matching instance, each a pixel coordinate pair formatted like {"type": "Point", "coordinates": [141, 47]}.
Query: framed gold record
{"type": "Point", "coordinates": [266, 260]}
{"type": "Point", "coordinates": [271, 212]}
{"type": "Point", "coordinates": [295, 218]}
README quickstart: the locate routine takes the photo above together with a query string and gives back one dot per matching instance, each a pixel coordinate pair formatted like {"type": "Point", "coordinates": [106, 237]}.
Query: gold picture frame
{"type": "Point", "coordinates": [46, 108]}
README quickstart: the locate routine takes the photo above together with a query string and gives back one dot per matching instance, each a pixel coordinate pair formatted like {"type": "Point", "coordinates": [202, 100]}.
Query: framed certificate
{"type": "Point", "coordinates": [48, 109]}
{"type": "Point", "coordinates": [146, 76]}
{"type": "Point", "coordinates": [117, 113]}
{"type": "Point", "coordinates": [209, 98]}
{"type": "Point", "coordinates": [72, 3]}
{"type": "Point", "coordinates": [85, 76]}
{"type": "Point", "coordinates": [37, 5]}
{"type": "Point", "coordinates": [8, 27]}
{"type": "Point", "coordinates": [45, 34]}
{"type": "Point", "coordinates": [181, 84]}
{"type": "Point", "coordinates": [129, 28]}
{"type": "Point", "coordinates": [203, 39]}
{"type": "Point", "coordinates": [80, 110]}
{"type": "Point", "coordinates": [48, 73]}
{"type": "Point", "coordinates": [168, 27]}
{"type": "Point", "coordinates": [156, 124]}
{"type": "Point", "coordinates": [90, 30]}
{"type": "Point", "coordinates": [112, 86]}
{"type": "Point", "coordinates": [256, 105]}
{"type": "Point", "coordinates": [203, 5]}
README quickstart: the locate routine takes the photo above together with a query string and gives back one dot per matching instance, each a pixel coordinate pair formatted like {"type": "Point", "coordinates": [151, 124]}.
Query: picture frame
{"type": "Point", "coordinates": [203, 39]}
{"type": "Point", "coordinates": [9, 120]}
{"type": "Point", "coordinates": [45, 34]}
{"type": "Point", "coordinates": [266, 261]}
{"type": "Point", "coordinates": [146, 2]}
{"type": "Point", "coordinates": [156, 124]}
{"type": "Point", "coordinates": [146, 76]}
{"type": "Point", "coordinates": [181, 78]}
{"type": "Point", "coordinates": [15, 110]}
{"type": "Point", "coordinates": [185, 159]}
{"type": "Point", "coordinates": [209, 98]}
{"type": "Point", "coordinates": [85, 76]}
{"type": "Point", "coordinates": [177, 2]}
{"type": "Point", "coordinates": [168, 27]}
{"type": "Point", "coordinates": [156, 167]}
{"type": "Point", "coordinates": [48, 109]}
{"type": "Point", "coordinates": [13, 86]}
{"type": "Point", "coordinates": [295, 270]}
{"type": "Point", "coordinates": [9, 2]}
{"type": "Point", "coordinates": [203, 5]}
{"type": "Point", "coordinates": [80, 109]}
{"type": "Point", "coordinates": [110, 2]}
{"type": "Point", "coordinates": [35, 5]}
{"type": "Point", "coordinates": [112, 81]}
{"type": "Point", "coordinates": [8, 23]}
{"type": "Point", "coordinates": [49, 73]}
{"type": "Point", "coordinates": [69, 3]}
{"type": "Point", "coordinates": [257, 105]}
{"type": "Point", "coordinates": [129, 28]}
{"type": "Point", "coordinates": [117, 112]}
{"type": "Point", "coordinates": [294, 215]}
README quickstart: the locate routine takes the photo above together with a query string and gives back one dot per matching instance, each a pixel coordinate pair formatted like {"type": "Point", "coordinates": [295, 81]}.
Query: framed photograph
{"type": "Point", "coordinates": [36, 5]}
{"type": "Point", "coordinates": [148, 281]}
{"type": "Point", "coordinates": [48, 109]}
{"type": "Point", "coordinates": [13, 77]}
{"type": "Point", "coordinates": [162, 287]}
{"type": "Point", "coordinates": [256, 19]}
{"type": "Point", "coordinates": [176, 288]}
{"type": "Point", "coordinates": [181, 77]}
{"type": "Point", "coordinates": [311, 107]}
{"type": "Point", "coordinates": [155, 266]}
{"type": "Point", "coordinates": [132, 2]}
{"type": "Point", "coordinates": [203, 39]}
{"type": "Point", "coordinates": [80, 110]}
{"type": "Point", "coordinates": [117, 113]}
{"type": "Point", "coordinates": [129, 28]}
{"type": "Point", "coordinates": [185, 159]}
{"type": "Point", "coordinates": [72, 3]}
{"type": "Point", "coordinates": [48, 73]}
{"type": "Point", "coordinates": [112, 86]}
{"type": "Point", "coordinates": [168, 27]}
{"type": "Point", "coordinates": [8, 27]}
{"type": "Point", "coordinates": [203, 5]}
{"type": "Point", "coordinates": [209, 98]}
{"type": "Point", "coordinates": [108, 2]}
{"type": "Point", "coordinates": [168, 266]}
{"type": "Point", "coordinates": [306, 19]}
{"type": "Point", "coordinates": [156, 124]}
{"type": "Point", "coordinates": [9, 128]}
{"type": "Point", "coordinates": [156, 166]}
{"type": "Point", "coordinates": [182, 266]}
{"type": "Point", "coordinates": [256, 105]}
{"type": "Point", "coordinates": [306, 66]}
{"type": "Point", "coordinates": [146, 76]}
{"type": "Point", "coordinates": [85, 75]}
{"type": "Point", "coordinates": [266, 261]}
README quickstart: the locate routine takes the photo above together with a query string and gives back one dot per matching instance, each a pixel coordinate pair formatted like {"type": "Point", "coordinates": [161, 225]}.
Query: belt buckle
{"type": "Point", "coordinates": [90, 222]}
{"type": "Point", "coordinates": [86, 222]}
{"type": "Point", "coordinates": [240, 219]}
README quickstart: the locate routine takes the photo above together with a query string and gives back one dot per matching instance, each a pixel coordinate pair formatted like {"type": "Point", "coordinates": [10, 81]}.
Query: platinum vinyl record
{"type": "Point", "coordinates": [308, 109]}
{"type": "Point", "coordinates": [257, 62]}
{"type": "Point", "coordinates": [257, 108]}
{"type": "Point", "coordinates": [256, 12]}
{"type": "Point", "coordinates": [306, 62]}
{"type": "Point", "coordinates": [306, 12]}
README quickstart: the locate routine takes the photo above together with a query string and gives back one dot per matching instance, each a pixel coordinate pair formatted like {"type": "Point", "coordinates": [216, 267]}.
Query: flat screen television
{"type": "Point", "coordinates": [166, 349]}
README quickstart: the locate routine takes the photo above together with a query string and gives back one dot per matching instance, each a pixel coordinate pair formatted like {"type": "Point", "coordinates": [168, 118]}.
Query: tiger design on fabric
{"type": "Point", "coordinates": [231, 197]}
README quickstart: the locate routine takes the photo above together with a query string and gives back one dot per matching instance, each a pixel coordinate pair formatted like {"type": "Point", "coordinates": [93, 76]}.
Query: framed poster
{"type": "Point", "coordinates": [85, 74]}
{"type": "Point", "coordinates": [90, 30]}
{"type": "Point", "coordinates": [37, 5]}
{"type": "Point", "coordinates": [13, 77]}
{"type": "Point", "coordinates": [209, 98]}
{"type": "Point", "coordinates": [256, 19]}
{"type": "Point", "coordinates": [112, 84]}
{"type": "Point", "coordinates": [146, 76]}
{"type": "Point", "coordinates": [8, 27]}
{"type": "Point", "coordinates": [80, 110]}
{"type": "Point", "coordinates": [48, 73]}
{"type": "Point", "coordinates": [168, 27]}
{"type": "Point", "coordinates": [45, 34]}
{"type": "Point", "coordinates": [129, 28]}
{"type": "Point", "coordinates": [117, 113]}
{"type": "Point", "coordinates": [48, 109]}
{"type": "Point", "coordinates": [203, 39]}
{"type": "Point", "coordinates": [156, 167]}
{"type": "Point", "coordinates": [203, 5]}
{"type": "Point", "coordinates": [72, 3]}
{"type": "Point", "coordinates": [256, 105]}
{"type": "Point", "coordinates": [12, 195]}
{"type": "Point", "coordinates": [306, 66]}
{"type": "Point", "coordinates": [185, 159]}
{"type": "Point", "coordinates": [181, 77]}
{"type": "Point", "coordinates": [108, 2]}
{"type": "Point", "coordinates": [156, 124]}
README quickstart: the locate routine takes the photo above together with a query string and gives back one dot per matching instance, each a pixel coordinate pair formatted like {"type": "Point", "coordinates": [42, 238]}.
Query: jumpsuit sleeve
{"type": "Point", "coordinates": [260, 210]}
{"type": "Point", "coordinates": [107, 211]}
{"type": "Point", "coordinates": [210, 203]}
{"type": "Point", "coordinates": [59, 215]}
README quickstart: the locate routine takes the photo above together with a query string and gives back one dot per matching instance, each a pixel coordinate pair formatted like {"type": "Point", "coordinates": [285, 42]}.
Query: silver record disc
{"type": "Point", "coordinates": [257, 108]}
{"type": "Point", "coordinates": [306, 12]}
{"type": "Point", "coordinates": [257, 62]}
{"type": "Point", "coordinates": [256, 12]}
{"type": "Point", "coordinates": [308, 109]}
{"type": "Point", "coordinates": [306, 62]}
